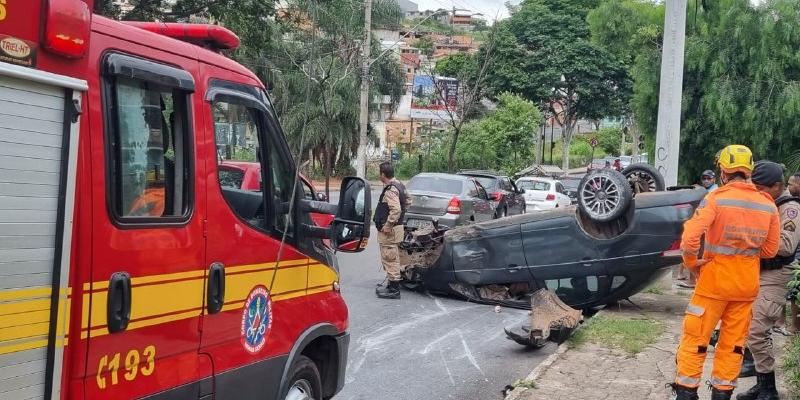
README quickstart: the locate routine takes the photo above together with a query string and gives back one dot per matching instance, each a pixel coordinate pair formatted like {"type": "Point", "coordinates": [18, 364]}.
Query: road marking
{"type": "Point", "coordinates": [446, 368]}
{"type": "Point", "coordinates": [469, 355]}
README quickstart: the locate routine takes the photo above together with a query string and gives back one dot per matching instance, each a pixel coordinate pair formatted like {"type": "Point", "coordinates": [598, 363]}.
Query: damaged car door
{"type": "Point", "coordinates": [563, 258]}
{"type": "Point", "coordinates": [490, 253]}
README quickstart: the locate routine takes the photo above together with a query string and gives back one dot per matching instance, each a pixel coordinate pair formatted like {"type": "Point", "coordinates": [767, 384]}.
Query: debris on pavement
{"type": "Point", "coordinates": [551, 319]}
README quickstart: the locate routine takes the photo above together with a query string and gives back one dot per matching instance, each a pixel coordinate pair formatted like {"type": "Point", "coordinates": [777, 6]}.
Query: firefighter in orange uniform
{"type": "Point", "coordinates": [741, 226]}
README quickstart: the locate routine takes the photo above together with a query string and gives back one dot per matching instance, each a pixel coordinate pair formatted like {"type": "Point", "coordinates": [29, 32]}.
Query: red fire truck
{"type": "Point", "coordinates": [128, 269]}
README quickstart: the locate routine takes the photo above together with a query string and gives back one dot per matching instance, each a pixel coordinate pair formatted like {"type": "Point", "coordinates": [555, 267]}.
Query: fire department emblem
{"type": "Point", "coordinates": [256, 319]}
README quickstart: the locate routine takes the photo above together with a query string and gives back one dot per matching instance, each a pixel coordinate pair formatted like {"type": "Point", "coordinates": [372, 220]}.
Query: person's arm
{"type": "Point", "coordinates": [694, 229]}
{"type": "Point", "coordinates": [772, 242]}
{"type": "Point", "coordinates": [790, 237]}
{"type": "Point", "coordinates": [392, 199]}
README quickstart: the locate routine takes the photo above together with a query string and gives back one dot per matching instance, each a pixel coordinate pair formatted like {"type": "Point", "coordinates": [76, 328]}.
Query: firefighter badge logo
{"type": "Point", "coordinates": [256, 319]}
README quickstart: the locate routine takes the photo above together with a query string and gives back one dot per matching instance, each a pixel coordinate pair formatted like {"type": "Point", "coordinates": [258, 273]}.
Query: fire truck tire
{"type": "Point", "coordinates": [304, 381]}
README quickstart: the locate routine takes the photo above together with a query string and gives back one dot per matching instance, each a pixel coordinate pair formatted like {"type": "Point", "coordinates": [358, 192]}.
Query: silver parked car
{"type": "Point", "coordinates": [451, 200]}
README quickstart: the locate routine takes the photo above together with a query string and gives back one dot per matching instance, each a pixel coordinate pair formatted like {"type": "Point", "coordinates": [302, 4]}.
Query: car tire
{"type": "Point", "coordinates": [304, 381]}
{"type": "Point", "coordinates": [644, 178]}
{"type": "Point", "coordinates": [604, 195]}
{"type": "Point", "coordinates": [503, 213]}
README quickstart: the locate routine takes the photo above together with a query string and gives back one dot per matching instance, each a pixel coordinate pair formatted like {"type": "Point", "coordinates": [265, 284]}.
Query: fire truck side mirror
{"type": "Point", "coordinates": [350, 227]}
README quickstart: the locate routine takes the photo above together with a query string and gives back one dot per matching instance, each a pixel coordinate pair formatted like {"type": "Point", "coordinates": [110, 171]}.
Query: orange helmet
{"type": "Point", "coordinates": [736, 158]}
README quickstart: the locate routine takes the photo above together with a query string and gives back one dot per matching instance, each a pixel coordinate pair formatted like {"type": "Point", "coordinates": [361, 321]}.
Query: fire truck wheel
{"type": "Point", "coordinates": [305, 383]}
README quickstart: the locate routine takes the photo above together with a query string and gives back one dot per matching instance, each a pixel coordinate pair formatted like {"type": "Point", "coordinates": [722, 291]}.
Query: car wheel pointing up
{"type": "Point", "coordinates": [604, 195]}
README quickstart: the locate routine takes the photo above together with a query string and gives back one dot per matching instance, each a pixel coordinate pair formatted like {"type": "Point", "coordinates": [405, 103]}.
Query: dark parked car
{"type": "Point", "coordinates": [571, 186]}
{"type": "Point", "coordinates": [506, 197]}
{"type": "Point", "coordinates": [449, 200]}
{"type": "Point", "coordinates": [606, 249]}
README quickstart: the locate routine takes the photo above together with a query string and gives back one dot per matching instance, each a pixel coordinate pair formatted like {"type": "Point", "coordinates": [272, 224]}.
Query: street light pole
{"type": "Point", "coordinates": [361, 160]}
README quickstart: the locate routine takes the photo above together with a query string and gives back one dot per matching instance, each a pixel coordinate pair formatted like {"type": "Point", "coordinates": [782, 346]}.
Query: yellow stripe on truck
{"type": "Point", "coordinates": [157, 299]}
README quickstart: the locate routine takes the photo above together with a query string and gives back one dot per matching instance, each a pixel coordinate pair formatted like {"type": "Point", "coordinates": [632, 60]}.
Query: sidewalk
{"type": "Point", "coordinates": [592, 371]}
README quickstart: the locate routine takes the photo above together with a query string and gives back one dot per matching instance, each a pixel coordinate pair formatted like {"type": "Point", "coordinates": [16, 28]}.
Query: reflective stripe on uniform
{"type": "Point", "coordinates": [749, 205]}
{"type": "Point", "coordinates": [730, 251]}
{"type": "Point", "coordinates": [722, 382]}
{"type": "Point", "coordinates": [695, 310]}
{"type": "Point", "coordinates": [687, 381]}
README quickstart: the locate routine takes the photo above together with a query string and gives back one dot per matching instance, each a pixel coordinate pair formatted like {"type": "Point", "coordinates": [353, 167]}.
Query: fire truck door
{"type": "Point", "coordinates": [148, 242]}
{"type": "Point", "coordinates": [248, 329]}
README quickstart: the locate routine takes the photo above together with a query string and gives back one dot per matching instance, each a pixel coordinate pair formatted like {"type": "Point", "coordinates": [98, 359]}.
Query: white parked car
{"type": "Point", "coordinates": [543, 193]}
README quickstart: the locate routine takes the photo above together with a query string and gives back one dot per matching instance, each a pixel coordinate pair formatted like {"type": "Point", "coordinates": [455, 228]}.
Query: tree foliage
{"type": "Point", "coordinates": [317, 77]}
{"type": "Point", "coordinates": [609, 139]}
{"type": "Point", "coordinates": [504, 139]}
{"type": "Point", "coordinates": [545, 54]}
{"type": "Point", "coordinates": [471, 71]}
{"type": "Point", "coordinates": [307, 53]}
{"type": "Point", "coordinates": [741, 76]}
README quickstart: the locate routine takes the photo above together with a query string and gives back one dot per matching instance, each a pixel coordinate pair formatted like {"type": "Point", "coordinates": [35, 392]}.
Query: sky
{"type": "Point", "coordinates": [489, 8]}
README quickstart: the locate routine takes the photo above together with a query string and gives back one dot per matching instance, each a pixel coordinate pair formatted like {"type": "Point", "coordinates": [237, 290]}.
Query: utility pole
{"type": "Point", "coordinates": [668, 132]}
{"type": "Point", "coordinates": [361, 161]}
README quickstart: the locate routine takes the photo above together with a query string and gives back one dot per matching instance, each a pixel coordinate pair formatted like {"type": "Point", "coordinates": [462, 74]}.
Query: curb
{"type": "Point", "coordinates": [539, 370]}
{"type": "Point", "coordinates": [543, 366]}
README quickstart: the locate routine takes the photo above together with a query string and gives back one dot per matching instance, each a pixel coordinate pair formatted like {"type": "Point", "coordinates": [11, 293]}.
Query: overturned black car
{"type": "Point", "coordinates": [622, 236]}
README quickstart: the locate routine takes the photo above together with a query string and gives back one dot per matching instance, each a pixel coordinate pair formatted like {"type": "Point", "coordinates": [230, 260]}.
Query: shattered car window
{"type": "Point", "coordinates": [574, 289]}
{"type": "Point", "coordinates": [533, 185]}
{"type": "Point", "coordinates": [435, 184]}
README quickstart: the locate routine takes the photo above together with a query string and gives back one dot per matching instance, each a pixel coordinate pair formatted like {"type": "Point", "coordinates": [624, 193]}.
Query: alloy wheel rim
{"type": "Point", "coordinates": [601, 196]}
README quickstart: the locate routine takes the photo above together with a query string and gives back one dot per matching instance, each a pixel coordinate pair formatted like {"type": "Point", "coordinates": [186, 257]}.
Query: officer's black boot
{"type": "Point", "coordinates": [683, 392]}
{"type": "Point", "coordinates": [391, 291]}
{"type": "Point", "coordinates": [752, 393]}
{"type": "Point", "coordinates": [719, 394]}
{"type": "Point", "coordinates": [768, 389]}
{"type": "Point", "coordinates": [748, 365]}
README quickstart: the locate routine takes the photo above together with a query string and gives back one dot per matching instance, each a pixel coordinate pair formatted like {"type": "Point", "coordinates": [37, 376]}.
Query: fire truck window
{"type": "Point", "coordinates": [150, 152]}
{"type": "Point", "coordinates": [239, 168]}
{"type": "Point", "coordinates": [282, 183]}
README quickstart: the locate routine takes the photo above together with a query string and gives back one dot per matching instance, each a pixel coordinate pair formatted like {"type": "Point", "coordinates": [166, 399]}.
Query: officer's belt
{"type": "Point", "coordinates": [777, 262]}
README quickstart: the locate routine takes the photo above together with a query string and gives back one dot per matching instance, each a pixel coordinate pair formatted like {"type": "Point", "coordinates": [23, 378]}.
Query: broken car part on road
{"type": "Point", "coordinates": [551, 319]}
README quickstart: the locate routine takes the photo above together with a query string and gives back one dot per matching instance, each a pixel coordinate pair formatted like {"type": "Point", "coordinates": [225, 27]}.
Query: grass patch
{"type": "Point", "coordinates": [524, 383]}
{"type": "Point", "coordinates": [654, 289]}
{"type": "Point", "coordinates": [630, 335]}
{"type": "Point", "coordinates": [791, 365]}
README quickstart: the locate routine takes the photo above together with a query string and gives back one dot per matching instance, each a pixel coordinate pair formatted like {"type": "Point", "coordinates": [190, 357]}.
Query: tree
{"type": "Point", "coordinates": [632, 31]}
{"type": "Point", "coordinates": [471, 71]}
{"type": "Point", "coordinates": [741, 82]}
{"type": "Point", "coordinates": [608, 139]}
{"type": "Point", "coordinates": [425, 45]}
{"type": "Point", "coordinates": [504, 138]}
{"type": "Point", "coordinates": [559, 67]}
{"type": "Point", "coordinates": [317, 77]}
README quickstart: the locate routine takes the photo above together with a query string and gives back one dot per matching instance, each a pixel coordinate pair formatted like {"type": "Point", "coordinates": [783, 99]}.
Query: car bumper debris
{"type": "Point", "coordinates": [551, 319]}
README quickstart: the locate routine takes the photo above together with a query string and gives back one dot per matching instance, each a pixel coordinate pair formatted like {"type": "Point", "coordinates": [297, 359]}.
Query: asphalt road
{"type": "Point", "coordinates": [424, 346]}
